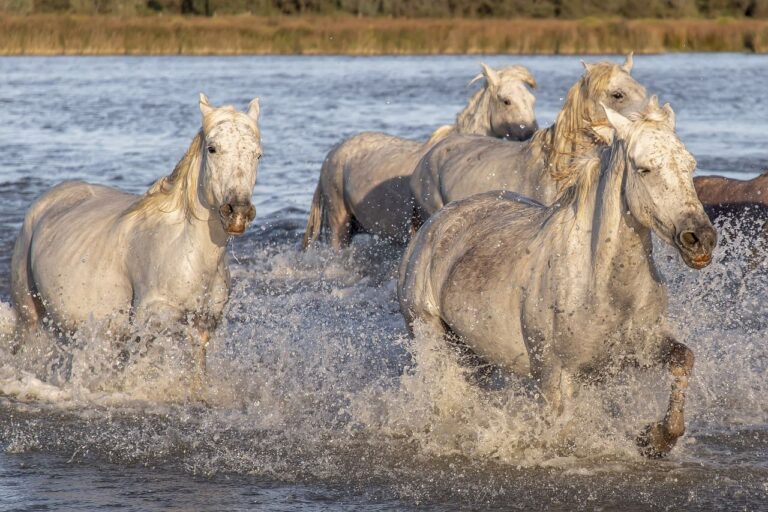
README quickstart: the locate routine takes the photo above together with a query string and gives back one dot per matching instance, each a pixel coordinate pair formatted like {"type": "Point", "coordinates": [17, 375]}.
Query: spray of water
{"type": "Point", "coordinates": [312, 376]}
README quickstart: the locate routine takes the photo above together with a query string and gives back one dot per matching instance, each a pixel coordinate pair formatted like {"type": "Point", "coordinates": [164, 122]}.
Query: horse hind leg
{"type": "Point", "coordinates": [658, 439]}
{"type": "Point", "coordinates": [27, 308]}
{"type": "Point", "coordinates": [479, 371]}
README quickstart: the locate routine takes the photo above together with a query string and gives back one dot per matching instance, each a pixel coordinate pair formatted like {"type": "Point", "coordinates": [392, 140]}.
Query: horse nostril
{"type": "Point", "coordinates": [689, 238]}
{"type": "Point", "coordinates": [226, 210]}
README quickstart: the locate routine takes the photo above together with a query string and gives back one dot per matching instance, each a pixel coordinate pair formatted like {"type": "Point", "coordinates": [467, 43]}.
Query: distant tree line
{"type": "Point", "coordinates": [565, 9]}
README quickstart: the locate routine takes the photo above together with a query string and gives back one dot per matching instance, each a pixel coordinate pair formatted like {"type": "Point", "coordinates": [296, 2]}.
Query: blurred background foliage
{"type": "Point", "coordinates": [562, 9]}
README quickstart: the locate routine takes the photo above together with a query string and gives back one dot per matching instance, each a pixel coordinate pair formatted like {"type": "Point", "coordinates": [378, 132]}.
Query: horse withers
{"type": "Point", "coordinates": [364, 181]}
{"type": "Point", "coordinates": [93, 253]}
{"type": "Point", "coordinates": [570, 291]}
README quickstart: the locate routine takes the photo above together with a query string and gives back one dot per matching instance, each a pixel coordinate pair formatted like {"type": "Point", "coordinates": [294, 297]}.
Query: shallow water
{"type": "Point", "coordinates": [317, 398]}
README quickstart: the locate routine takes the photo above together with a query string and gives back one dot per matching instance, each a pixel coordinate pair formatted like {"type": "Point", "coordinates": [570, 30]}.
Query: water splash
{"type": "Point", "coordinates": [313, 378]}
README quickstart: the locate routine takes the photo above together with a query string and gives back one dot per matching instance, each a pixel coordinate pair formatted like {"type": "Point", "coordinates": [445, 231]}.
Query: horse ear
{"type": "Point", "coordinates": [620, 123]}
{"type": "Point", "coordinates": [604, 132]}
{"type": "Point", "coordinates": [475, 79]}
{"type": "Point", "coordinates": [588, 67]}
{"type": "Point", "coordinates": [670, 115]}
{"type": "Point", "coordinates": [490, 74]}
{"type": "Point", "coordinates": [205, 106]}
{"type": "Point", "coordinates": [628, 62]}
{"type": "Point", "coordinates": [254, 109]}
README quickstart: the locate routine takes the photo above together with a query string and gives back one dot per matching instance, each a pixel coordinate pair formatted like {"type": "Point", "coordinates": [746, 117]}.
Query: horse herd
{"type": "Point", "coordinates": [528, 249]}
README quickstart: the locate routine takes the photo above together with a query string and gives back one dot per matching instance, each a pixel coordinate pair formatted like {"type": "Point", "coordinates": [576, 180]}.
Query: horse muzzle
{"type": "Point", "coordinates": [520, 132]}
{"type": "Point", "coordinates": [696, 245]}
{"type": "Point", "coordinates": [235, 217]}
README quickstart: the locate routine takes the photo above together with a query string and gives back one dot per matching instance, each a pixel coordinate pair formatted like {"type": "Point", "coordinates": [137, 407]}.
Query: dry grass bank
{"type": "Point", "coordinates": [236, 35]}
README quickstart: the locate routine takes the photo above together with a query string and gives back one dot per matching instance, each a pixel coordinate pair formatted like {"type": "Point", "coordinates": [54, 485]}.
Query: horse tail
{"type": "Point", "coordinates": [441, 133]}
{"type": "Point", "coordinates": [315, 221]}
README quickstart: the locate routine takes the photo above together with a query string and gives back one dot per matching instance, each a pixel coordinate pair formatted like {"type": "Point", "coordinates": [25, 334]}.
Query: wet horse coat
{"type": "Point", "coordinates": [462, 165]}
{"type": "Point", "coordinates": [363, 184]}
{"type": "Point", "coordinates": [571, 290]}
{"type": "Point", "coordinates": [93, 253]}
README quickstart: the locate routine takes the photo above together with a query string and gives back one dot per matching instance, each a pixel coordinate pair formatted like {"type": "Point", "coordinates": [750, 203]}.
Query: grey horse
{"type": "Point", "coordinates": [363, 184]}
{"type": "Point", "coordinates": [462, 165]}
{"type": "Point", "coordinates": [570, 291]}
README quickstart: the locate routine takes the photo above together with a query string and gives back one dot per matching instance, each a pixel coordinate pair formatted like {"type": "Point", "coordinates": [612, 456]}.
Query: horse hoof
{"type": "Point", "coordinates": [654, 443]}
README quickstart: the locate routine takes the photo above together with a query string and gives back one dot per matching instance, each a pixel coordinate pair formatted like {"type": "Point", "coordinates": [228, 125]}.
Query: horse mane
{"type": "Point", "coordinates": [178, 191]}
{"type": "Point", "coordinates": [441, 133]}
{"type": "Point", "coordinates": [585, 169]}
{"type": "Point", "coordinates": [572, 135]}
{"type": "Point", "coordinates": [471, 119]}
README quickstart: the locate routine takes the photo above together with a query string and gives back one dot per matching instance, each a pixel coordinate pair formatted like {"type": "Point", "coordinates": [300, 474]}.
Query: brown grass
{"type": "Point", "coordinates": [236, 35]}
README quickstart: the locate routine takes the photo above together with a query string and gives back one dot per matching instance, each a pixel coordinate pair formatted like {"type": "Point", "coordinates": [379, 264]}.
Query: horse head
{"type": "Point", "coordinates": [510, 102]}
{"type": "Point", "coordinates": [610, 84]}
{"type": "Point", "coordinates": [658, 184]}
{"type": "Point", "coordinates": [231, 149]}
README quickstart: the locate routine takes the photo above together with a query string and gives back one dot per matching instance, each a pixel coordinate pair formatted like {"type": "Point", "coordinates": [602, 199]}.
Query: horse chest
{"type": "Point", "coordinates": [180, 274]}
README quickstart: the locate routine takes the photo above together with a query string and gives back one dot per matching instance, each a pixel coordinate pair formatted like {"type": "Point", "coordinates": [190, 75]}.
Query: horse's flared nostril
{"type": "Point", "coordinates": [226, 210]}
{"type": "Point", "coordinates": [689, 239]}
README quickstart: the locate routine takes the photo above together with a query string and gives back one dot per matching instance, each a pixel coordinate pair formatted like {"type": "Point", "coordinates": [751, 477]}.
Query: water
{"type": "Point", "coordinates": [317, 398]}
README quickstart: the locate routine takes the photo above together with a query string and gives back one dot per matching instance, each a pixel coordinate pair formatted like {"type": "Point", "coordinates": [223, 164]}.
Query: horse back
{"type": "Point", "coordinates": [715, 190]}
{"type": "Point", "coordinates": [470, 237]}
{"type": "Point", "coordinates": [460, 166]}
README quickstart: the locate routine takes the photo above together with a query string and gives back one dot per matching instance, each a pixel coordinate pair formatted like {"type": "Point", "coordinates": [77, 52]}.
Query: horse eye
{"type": "Point", "coordinates": [643, 170]}
{"type": "Point", "coordinates": [211, 149]}
{"type": "Point", "coordinates": [618, 95]}
{"type": "Point", "coordinates": [258, 157]}
{"type": "Point", "coordinates": [507, 102]}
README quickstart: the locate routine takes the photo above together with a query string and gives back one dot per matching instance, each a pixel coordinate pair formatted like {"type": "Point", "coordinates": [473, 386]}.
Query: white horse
{"type": "Point", "coordinates": [570, 291]}
{"type": "Point", "coordinates": [89, 252]}
{"type": "Point", "coordinates": [363, 184]}
{"type": "Point", "coordinates": [461, 165]}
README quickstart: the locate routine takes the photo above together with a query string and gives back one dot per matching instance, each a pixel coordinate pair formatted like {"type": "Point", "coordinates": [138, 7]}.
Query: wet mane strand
{"type": "Point", "coordinates": [585, 169]}
{"type": "Point", "coordinates": [571, 135]}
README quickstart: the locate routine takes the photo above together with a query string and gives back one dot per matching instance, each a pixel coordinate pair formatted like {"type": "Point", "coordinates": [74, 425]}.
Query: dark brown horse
{"type": "Point", "coordinates": [715, 190]}
{"type": "Point", "coordinates": [744, 201]}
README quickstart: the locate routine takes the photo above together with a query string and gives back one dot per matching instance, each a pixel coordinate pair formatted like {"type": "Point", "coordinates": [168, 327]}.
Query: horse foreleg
{"type": "Point", "coordinates": [203, 325]}
{"type": "Point", "coordinates": [339, 227]}
{"type": "Point", "coordinates": [557, 387]}
{"type": "Point", "coordinates": [658, 439]}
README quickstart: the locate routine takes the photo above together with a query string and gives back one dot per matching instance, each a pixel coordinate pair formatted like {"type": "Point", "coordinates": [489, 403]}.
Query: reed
{"type": "Point", "coordinates": [311, 35]}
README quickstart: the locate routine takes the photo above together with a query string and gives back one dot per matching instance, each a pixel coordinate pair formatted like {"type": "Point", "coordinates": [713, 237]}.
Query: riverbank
{"type": "Point", "coordinates": [310, 35]}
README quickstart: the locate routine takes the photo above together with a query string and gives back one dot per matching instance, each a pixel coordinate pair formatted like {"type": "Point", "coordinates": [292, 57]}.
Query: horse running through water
{"type": "Point", "coordinates": [461, 165]}
{"type": "Point", "coordinates": [363, 182]}
{"type": "Point", "coordinates": [93, 252]}
{"type": "Point", "coordinates": [570, 291]}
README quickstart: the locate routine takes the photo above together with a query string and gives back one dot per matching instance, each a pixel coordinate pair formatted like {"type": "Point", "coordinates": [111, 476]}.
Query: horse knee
{"type": "Point", "coordinates": [680, 359]}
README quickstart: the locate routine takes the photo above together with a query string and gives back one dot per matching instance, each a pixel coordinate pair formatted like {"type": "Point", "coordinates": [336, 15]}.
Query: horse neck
{"type": "Point", "coordinates": [616, 244]}
{"type": "Point", "coordinates": [475, 118]}
{"type": "Point", "coordinates": [174, 202]}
